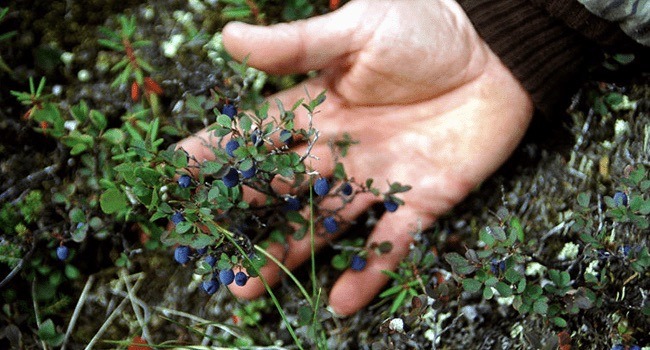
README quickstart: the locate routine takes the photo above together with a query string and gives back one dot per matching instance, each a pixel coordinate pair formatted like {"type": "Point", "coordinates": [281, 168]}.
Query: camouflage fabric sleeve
{"type": "Point", "coordinates": [632, 15]}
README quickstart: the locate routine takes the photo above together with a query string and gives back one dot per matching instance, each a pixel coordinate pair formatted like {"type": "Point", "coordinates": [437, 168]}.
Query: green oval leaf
{"type": "Point", "coordinates": [471, 285]}
{"type": "Point", "coordinates": [112, 200]}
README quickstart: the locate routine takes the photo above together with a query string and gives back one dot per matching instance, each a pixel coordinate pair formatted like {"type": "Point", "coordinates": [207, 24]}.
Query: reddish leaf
{"type": "Point", "coordinates": [135, 92]}
{"type": "Point", "coordinates": [152, 86]}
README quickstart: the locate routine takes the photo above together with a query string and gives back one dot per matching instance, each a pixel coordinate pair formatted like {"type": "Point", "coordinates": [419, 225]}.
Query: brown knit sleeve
{"type": "Point", "coordinates": [545, 43]}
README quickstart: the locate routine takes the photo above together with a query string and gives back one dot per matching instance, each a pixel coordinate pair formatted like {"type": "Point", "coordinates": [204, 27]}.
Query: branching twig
{"type": "Point", "coordinates": [37, 176]}
{"type": "Point", "coordinates": [77, 310]}
{"type": "Point", "coordinates": [197, 319]}
{"type": "Point", "coordinates": [112, 316]}
{"type": "Point", "coordinates": [136, 310]}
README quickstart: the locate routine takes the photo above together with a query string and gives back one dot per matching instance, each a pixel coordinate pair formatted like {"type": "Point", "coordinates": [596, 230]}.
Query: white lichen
{"type": "Point", "coordinates": [568, 252]}
{"type": "Point", "coordinates": [535, 268]}
{"type": "Point", "coordinates": [592, 268]}
{"type": "Point", "coordinates": [197, 6]}
{"type": "Point", "coordinates": [469, 312]}
{"type": "Point", "coordinates": [83, 75]}
{"type": "Point", "coordinates": [621, 127]}
{"type": "Point", "coordinates": [506, 301]}
{"type": "Point", "coordinates": [396, 325]}
{"type": "Point", "coordinates": [67, 58]}
{"type": "Point", "coordinates": [171, 46]}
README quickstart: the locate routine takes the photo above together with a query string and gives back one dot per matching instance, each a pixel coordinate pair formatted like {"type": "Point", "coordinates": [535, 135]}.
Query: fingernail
{"type": "Point", "coordinates": [334, 314]}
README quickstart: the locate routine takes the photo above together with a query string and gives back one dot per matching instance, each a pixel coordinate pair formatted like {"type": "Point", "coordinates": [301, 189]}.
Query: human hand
{"type": "Point", "coordinates": [430, 104]}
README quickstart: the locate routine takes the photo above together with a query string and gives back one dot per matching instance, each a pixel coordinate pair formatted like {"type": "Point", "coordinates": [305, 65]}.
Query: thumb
{"type": "Point", "coordinates": [299, 46]}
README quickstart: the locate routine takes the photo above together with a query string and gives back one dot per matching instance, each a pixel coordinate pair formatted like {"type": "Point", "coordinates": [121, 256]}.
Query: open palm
{"type": "Point", "coordinates": [428, 101]}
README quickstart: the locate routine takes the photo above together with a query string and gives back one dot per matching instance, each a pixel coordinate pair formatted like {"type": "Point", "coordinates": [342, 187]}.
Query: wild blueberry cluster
{"type": "Point", "coordinates": [183, 255]}
{"type": "Point", "coordinates": [253, 152]}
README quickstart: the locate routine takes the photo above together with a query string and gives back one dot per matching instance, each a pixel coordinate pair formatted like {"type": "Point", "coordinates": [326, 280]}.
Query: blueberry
{"type": "Point", "coordinates": [330, 224]}
{"type": "Point", "coordinates": [286, 136]}
{"type": "Point", "coordinates": [497, 266]}
{"type": "Point", "coordinates": [231, 146]}
{"type": "Point", "coordinates": [182, 254]}
{"type": "Point", "coordinates": [231, 179]}
{"type": "Point", "coordinates": [62, 252]}
{"type": "Point", "coordinates": [202, 251]}
{"type": "Point", "coordinates": [184, 181]}
{"type": "Point", "coordinates": [177, 218]}
{"type": "Point", "coordinates": [210, 286]}
{"type": "Point", "coordinates": [635, 347]}
{"type": "Point", "coordinates": [620, 199]}
{"type": "Point", "coordinates": [229, 110]}
{"type": "Point", "coordinates": [241, 278]}
{"type": "Point", "coordinates": [346, 189]}
{"type": "Point", "coordinates": [321, 187]}
{"type": "Point", "coordinates": [211, 260]}
{"type": "Point", "coordinates": [256, 138]}
{"type": "Point", "coordinates": [618, 347]}
{"type": "Point", "coordinates": [226, 276]}
{"type": "Point", "coordinates": [247, 174]}
{"type": "Point", "coordinates": [291, 204]}
{"type": "Point", "coordinates": [358, 263]}
{"type": "Point", "coordinates": [390, 205]}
